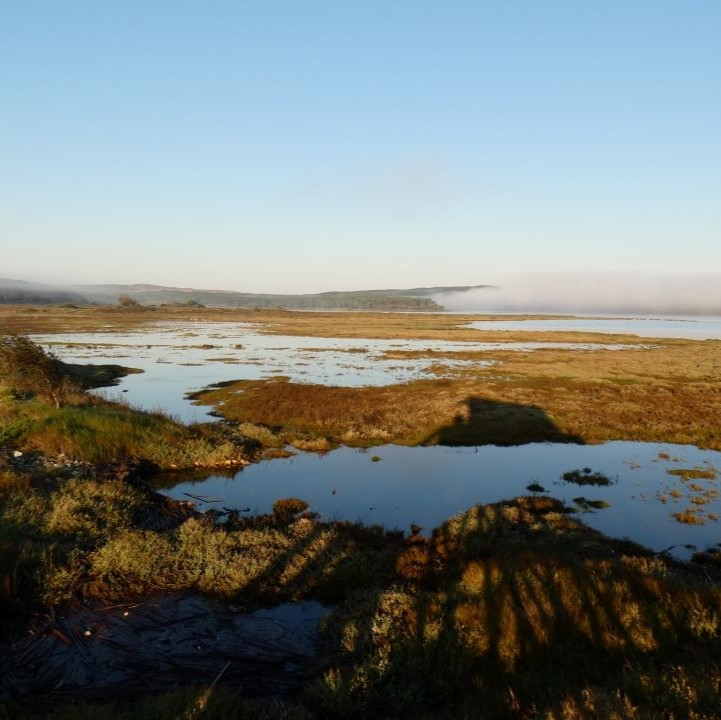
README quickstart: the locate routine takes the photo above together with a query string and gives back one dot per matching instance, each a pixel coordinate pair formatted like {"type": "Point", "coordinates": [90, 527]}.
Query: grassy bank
{"type": "Point", "coordinates": [96, 431]}
{"type": "Point", "coordinates": [45, 407]}
{"type": "Point", "coordinates": [508, 610]}
{"type": "Point", "coordinates": [108, 433]}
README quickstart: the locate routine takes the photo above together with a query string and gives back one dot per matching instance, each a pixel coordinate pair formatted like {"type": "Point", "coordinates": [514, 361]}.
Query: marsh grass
{"type": "Point", "coordinates": [286, 509]}
{"type": "Point", "coordinates": [658, 391]}
{"type": "Point", "coordinates": [46, 521]}
{"type": "Point", "coordinates": [261, 562]}
{"type": "Point", "coordinates": [25, 319]}
{"type": "Point", "coordinates": [510, 610]}
{"type": "Point", "coordinates": [702, 473]}
{"type": "Point", "coordinates": [89, 512]}
{"type": "Point", "coordinates": [690, 516]}
{"type": "Point", "coordinates": [546, 395]}
{"type": "Point", "coordinates": [110, 433]}
{"type": "Point", "coordinates": [587, 505]}
{"type": "Point", "coordinates": [97, 431]}
{"type": "Point", "coordinates": [318, 417]}
{"type": "Point", "coordinates": [507, 610]}
{"type": "Point", "coordinates": [516, 610]}
{"type": "Point", "coordinates": [698, 487]}
{"type": "Point", "coordinates": [44, 407]}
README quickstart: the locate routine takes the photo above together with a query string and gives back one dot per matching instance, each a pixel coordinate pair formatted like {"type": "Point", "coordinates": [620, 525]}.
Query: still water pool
{"type": "Point", "coordinates": [395, 486]}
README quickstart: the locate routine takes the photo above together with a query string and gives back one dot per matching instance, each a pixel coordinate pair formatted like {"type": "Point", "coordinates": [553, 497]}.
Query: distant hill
{"type": "Point", "coordinates": [413, 299]}
{"type": "Point", "coordinates": [19, 292]}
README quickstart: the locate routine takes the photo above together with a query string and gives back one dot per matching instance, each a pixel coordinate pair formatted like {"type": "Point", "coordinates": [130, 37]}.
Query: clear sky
{"type": "Point", "coordinates": [304, 145]}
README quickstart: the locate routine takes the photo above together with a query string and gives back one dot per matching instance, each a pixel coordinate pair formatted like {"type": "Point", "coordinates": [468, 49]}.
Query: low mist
{"type": "Point", "coordinates": [589, 292]}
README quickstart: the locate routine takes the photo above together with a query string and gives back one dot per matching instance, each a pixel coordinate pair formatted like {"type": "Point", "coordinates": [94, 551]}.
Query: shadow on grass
{"type": "Point", "coordinates": [489, 422]}
{"type": "Point", "coordinates": [515, 610]}
{"type": "Point", "coordinates": [507, 610]}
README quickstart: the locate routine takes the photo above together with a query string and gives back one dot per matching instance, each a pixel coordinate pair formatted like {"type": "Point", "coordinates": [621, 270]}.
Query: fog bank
{"type": "Point", "coordinates": [593, 292]}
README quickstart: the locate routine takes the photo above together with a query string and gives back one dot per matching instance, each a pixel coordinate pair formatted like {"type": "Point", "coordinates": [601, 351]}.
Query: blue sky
{"type": "Point", "coordinates": [305, 146]}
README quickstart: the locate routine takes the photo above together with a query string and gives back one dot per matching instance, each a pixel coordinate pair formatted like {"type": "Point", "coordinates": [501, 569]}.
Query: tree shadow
{"type": "Point", "coordinates": [514, 608]}
{"type": "Point", "coordinates": [506, 610]}
{"type": "Point", "coordinates": [490, 422]}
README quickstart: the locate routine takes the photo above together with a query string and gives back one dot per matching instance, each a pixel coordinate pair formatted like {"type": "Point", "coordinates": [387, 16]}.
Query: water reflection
{"type": "Point", "coordinates": [426, 485]}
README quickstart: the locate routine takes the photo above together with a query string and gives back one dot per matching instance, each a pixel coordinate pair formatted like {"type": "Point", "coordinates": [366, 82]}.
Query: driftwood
{"type": "Point", "coordinates": [100, 652]}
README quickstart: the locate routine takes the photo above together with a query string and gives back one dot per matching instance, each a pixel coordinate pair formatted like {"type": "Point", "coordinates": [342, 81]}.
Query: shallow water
{"type": "Point", "coordinates": [426, 485]}
{"type": "Point", "coordinates": [423, 485]}
{"type": "Point", "coordinates": [180, 357]}
{"type": "Point", "coordinates": [689, 328]}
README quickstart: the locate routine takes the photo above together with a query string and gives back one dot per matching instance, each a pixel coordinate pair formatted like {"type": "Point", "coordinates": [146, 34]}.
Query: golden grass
{"type": "Point", "coordinates": [24, 319]}
{"type": "Point", "coordinates": [669, 393]}
{"type": "Point", "coordinates": [661, 390]}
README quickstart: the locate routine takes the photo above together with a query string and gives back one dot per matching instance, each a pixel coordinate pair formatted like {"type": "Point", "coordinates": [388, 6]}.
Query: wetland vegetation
{"type": "Point", "coordinates": [45, 407]}
{"type": "Point", "coordinates": [511, 609]}
{"type": "Point", "coordinates": [665, 393]}
{"type": "Point", "coordinates": [507, 610]}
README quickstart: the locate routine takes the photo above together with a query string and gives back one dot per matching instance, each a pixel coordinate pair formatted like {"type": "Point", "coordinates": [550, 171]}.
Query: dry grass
{"type": "Point", "coordinates": [25, 319]}
{"type": "Point", "coordinates": [427, 411]}
{"type": "Point", "coordinates": [670, 393]}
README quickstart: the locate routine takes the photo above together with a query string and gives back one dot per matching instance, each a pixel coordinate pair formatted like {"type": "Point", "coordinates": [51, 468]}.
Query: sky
{"type": "Point", "coordinates": [303, 146]}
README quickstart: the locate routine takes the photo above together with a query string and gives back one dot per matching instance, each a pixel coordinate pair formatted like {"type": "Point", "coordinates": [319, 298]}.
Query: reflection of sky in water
{"type": "Point", "coordinates": [426, 485]}
{"type": "Point", "coordinates": [421, 485]}
{"type": "Point", "coordinates": [692, 328]}
{"type": "Point", "coordinates": [174, 361]}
